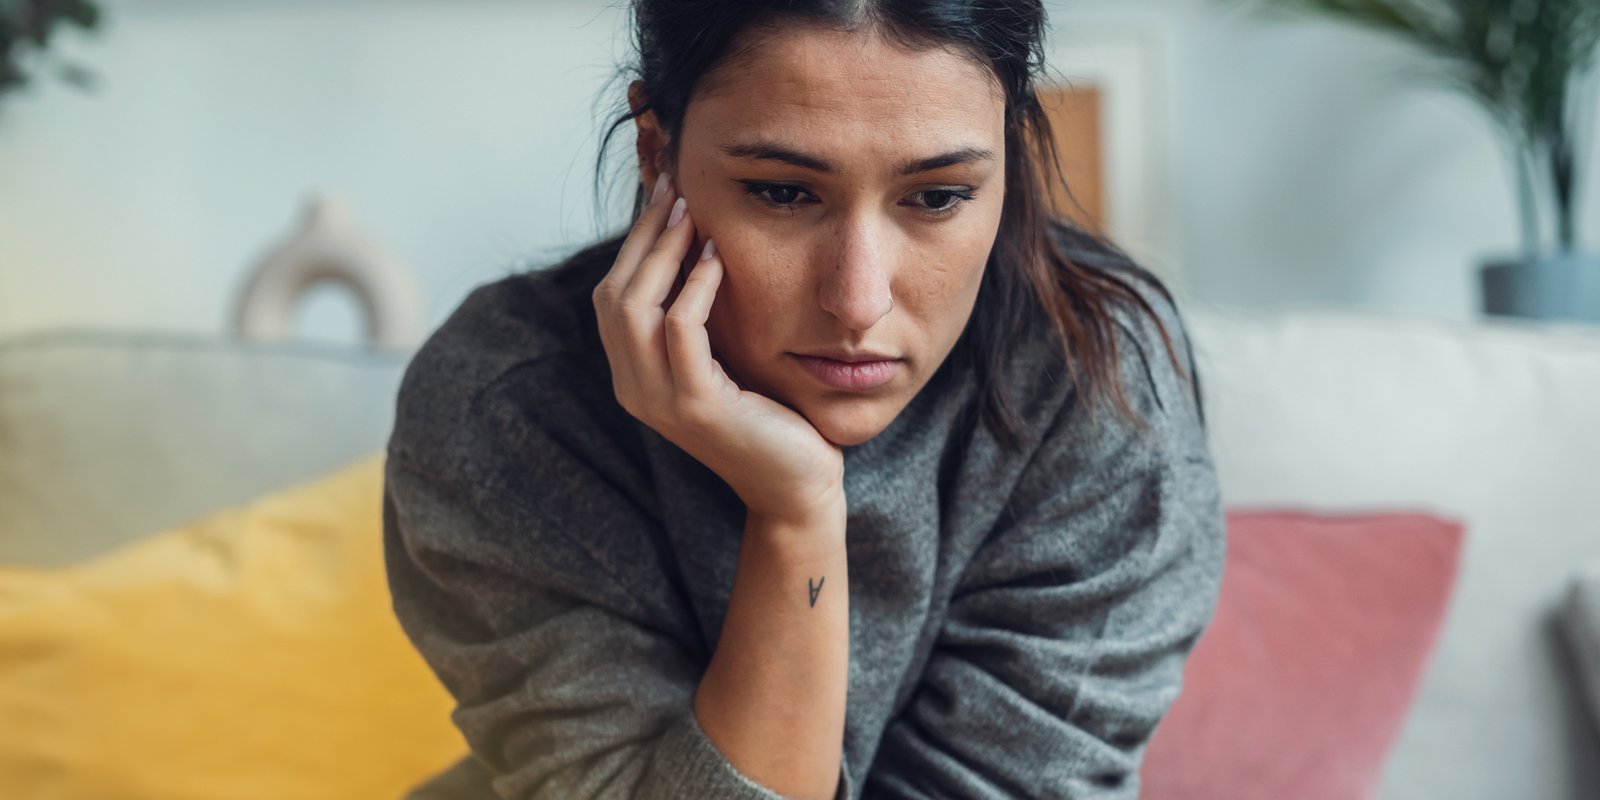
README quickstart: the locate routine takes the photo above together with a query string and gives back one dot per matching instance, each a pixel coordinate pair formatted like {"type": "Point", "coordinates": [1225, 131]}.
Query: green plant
{"type": "Point", "coordinates": [25, 30]}
{"type": "Point", "coordinates": [1525, 62]}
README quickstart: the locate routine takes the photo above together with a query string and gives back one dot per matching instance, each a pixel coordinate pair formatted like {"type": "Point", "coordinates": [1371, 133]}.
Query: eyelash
{"type": "Point", "coordinates": [963, 196]}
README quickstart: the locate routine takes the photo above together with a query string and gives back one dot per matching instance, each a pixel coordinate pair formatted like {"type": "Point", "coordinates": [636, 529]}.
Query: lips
{"type": "Point", "coordinates": [857, 376]}
{"type": "Point", "coordinates": [850, 357]}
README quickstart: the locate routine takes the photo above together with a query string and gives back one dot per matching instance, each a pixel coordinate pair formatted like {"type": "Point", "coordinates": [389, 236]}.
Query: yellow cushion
{"type": "Point", "coordinates": [250, 654]}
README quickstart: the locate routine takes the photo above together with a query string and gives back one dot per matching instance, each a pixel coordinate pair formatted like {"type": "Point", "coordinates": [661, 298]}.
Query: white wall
{"type": "Point", "coordinates": [1296, 166]}
{"type": "Point", "coordinates": [460, 132]}
{"type": "Point", "coordinates": [1307, 168]}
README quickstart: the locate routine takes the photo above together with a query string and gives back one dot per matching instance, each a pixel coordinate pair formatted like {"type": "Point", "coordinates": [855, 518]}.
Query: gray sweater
{"type": "Point", "coordinates": [1019, 621]}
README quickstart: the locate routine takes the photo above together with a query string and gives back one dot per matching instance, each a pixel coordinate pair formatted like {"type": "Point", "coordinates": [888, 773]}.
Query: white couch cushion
{"type": "Point", "coordinates": [1496, 424]}
{"type": "Point", "coordinates": [106, 436]}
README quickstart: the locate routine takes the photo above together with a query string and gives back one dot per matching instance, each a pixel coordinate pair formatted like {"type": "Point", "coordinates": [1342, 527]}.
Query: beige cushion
{"type": "Point", "coordinates": [108, 436]}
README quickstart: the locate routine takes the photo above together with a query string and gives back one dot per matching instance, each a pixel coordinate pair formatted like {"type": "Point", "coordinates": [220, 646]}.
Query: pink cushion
{"type": "Point", "coordinates": [1299, 686]}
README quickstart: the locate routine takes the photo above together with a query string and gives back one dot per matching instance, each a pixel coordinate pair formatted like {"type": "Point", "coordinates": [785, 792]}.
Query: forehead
{"type": "Point", "coordinates": [841, 92]}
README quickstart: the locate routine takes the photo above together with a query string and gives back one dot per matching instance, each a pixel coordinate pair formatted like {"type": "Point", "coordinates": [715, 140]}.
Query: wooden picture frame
{"type": "Point", "coordinates": [1106, 100]}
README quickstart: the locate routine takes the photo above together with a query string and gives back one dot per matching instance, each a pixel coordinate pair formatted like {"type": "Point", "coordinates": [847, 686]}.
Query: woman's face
{"type": "Point", "coordinates": [831, 170]}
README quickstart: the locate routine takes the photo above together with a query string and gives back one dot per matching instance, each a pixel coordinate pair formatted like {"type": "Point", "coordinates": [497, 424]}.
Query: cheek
{"type": "Point", "coordinates": [948, 278]}
{"type": "Point", "coordinates": [755, 302]}
{"type": "Point", "coordinates": [973, 256]}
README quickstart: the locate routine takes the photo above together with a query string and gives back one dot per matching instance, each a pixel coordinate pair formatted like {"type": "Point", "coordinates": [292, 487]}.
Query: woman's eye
{"type": "Point", "coordinates": [784, 195]}
{"type": "Point", "coordinates": [935, 202]}
{"type": "Point", "coordinates": [942, 202]}
{"type": "Point", "coordinates": [777, 195]}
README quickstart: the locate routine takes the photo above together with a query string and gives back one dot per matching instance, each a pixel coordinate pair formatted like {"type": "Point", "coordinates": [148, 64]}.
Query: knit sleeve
{"type": "Point", "coordinates": [1064, 641]}
{"type": "Point", "coordinates": [573, 679]}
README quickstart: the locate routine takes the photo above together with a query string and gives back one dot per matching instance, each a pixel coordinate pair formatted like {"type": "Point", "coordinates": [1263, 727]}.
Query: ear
{"type": "Point", "coordinates": [652, 140]}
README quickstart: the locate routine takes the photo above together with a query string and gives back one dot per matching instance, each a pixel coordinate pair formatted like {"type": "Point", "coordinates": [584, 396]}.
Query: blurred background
{"type": "Point", "coordinates": [1284, 162]}
{"type": "Point", "coordinates": [226, 224]}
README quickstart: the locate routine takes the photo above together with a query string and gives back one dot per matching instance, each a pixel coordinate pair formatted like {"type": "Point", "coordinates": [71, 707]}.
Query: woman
{"type": "Point", "coordinates": [825, 424]}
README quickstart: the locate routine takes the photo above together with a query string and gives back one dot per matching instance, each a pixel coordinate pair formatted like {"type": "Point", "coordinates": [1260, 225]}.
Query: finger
{"type": "Point", "coordinates": [623, 376]}
{"type": "Point", "coordinates": [642, 236]}
{"type": "Point", "coordinates": [677, 283]}
{"type": "Point", "coordinates": [640, 312]}
{"type": "Point", "coordinates": [688, 345]}
{"type": "Point", "coordinates": [640, 305]}
{"type": "Point", "coordinates": [608, 311]}
{"type": "Point", "coordinates": [661, 266]}
{"type": "Point", "coordinates": [613, 336]}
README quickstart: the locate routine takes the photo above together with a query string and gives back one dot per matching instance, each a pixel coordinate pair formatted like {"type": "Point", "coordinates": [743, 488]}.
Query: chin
{"type": "Point", "coordinates": [848, 423]}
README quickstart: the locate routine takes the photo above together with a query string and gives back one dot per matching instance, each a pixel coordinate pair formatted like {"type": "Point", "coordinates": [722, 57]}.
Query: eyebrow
{"type": "Point", "coordinates": [773, 151]}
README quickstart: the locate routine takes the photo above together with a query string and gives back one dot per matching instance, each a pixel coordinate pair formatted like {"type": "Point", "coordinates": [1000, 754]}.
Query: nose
{"type": "Point", "coordinates": [856, 286]}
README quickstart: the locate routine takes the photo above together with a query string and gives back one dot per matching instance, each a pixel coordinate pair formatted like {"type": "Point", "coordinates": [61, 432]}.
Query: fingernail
{"type": "Point", "coordinates": [661, 188]}
{"type": "Point", "coordinates": [709, 251]}
{"type": "Point", "coordinates": [677, 213]}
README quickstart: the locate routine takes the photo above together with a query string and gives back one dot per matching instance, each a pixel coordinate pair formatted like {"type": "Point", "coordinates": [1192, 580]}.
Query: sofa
{"type": "Point", "coordinates": [1495, 423]}
{"type": "Point", "coordinates": [130, 457]}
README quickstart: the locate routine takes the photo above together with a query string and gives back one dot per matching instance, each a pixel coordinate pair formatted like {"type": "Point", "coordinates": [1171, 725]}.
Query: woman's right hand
{"type": "Point", "coordinates": [664, 374]}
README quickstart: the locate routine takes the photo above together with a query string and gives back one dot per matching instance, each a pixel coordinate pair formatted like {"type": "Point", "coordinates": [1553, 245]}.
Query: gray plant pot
{"type": "Point", "coordinates": [1559, 287]}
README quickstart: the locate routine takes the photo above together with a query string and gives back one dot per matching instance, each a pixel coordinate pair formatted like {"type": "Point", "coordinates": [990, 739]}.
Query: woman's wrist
{"type": "Point", "coordinates": [773, 697]}
{"type": "Point", "coordinates": [799, 541]}
{"type": "Point", "coordinates": [819, 516]}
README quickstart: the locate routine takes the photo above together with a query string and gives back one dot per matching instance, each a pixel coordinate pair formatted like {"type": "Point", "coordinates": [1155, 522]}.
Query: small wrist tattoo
{"type": "Point", "coordinates": [815, 589]}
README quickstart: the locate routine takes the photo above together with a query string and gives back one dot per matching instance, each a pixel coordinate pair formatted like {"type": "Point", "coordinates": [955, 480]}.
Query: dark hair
{"type": "Point", "coordinates": [1042, 267]}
